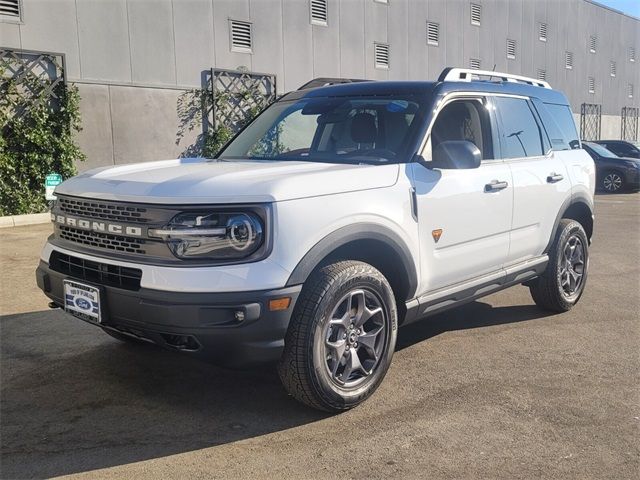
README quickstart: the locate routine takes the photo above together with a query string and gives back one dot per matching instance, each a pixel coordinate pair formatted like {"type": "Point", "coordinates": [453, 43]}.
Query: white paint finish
{"type": "Point", "coordinates": [152, 41]}
{"type": "Point", "coordinates": [104, 39]}
{"type": "Point", "coordinates": [95, 139]}
{"type": "Point", "coordinates": [200, 181]}
{"type": "Point", "coordinates": [536, 203]}
{"type": "Point", "coordinates": [475, 224]}
{"type": "Point", "coordinates": [582, 171]}
{"type": "Point", "coordinates": [193, 29]}
{"type": "Point", "coordinates": [231, 278]}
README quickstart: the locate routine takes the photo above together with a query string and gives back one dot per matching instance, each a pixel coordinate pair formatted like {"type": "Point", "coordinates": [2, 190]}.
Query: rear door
{"type": "Point", "coordinates": [541, 182]}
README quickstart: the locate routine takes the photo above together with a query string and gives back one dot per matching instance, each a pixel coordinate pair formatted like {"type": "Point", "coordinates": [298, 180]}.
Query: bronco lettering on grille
{"type": "Point", "coordinates": [106, 227]}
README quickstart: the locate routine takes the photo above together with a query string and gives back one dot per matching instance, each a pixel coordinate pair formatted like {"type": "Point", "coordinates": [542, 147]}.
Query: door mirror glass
{"type": "Point", "coordinates": [456, 154]}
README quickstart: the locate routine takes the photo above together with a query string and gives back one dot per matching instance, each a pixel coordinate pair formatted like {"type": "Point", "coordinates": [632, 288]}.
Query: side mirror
{"type": "Point", "coordinates": [456, 154]}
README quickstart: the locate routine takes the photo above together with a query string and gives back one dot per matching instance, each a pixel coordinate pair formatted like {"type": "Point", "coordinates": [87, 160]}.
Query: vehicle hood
{"type": "Point", "coordinates": [197, 180]}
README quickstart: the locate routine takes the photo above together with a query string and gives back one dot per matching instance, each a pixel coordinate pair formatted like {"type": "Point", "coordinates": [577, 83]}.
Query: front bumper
{"type": "Point", "coordinates": [207, 320]}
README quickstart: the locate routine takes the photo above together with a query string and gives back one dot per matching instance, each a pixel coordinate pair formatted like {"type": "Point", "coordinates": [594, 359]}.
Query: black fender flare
{"type": "Point", "coordinates": [349, 234]}
{"type": "Point", "coordinates": [577, 198]}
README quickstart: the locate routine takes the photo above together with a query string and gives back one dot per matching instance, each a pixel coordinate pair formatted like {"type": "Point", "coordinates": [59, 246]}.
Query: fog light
{"type": "Point", "coordinates": [279, 303]}
{"type": "Point", "coordinates": [239, 315]}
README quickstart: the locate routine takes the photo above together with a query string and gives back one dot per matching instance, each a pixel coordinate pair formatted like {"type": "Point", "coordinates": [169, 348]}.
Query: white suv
{"type": "Point", "coordinates": [340, 213]}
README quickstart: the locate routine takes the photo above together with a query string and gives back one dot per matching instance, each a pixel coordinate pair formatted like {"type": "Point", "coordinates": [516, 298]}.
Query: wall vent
{"type": "Point", "coordinates": [632, 54]}
{"type": "Point", "coordinates": [612, 69]}
{"type": "Point", "coordinates": [542, 74]}
{"type": "Point", "coordinates": [542, 32]}
{"type": "Point", "coordinates": [10, 8]}
{"type": "Point", "coordinates": [319, 13]}
{"type": "Point", "coordinates": [241, 40]}
{"type": "Point", "coordinates": [593, 43]}
{"type": "Point", "coordinates": [568, 60]}
{"type": "Point", "coordinates": [511, 49]}
{"type": "Point", "coordinates": [630, 90]}
{"type": "Point", "coordinates": [474, 63]}
{"type": "Point", "coordinates": [381, 54]}
{"type": "Point", "coordinates": [476, 14]}
{"type": "Point", "coordinates": [433, 33]}
{"type": "Point", "coordinates": [592, 85]}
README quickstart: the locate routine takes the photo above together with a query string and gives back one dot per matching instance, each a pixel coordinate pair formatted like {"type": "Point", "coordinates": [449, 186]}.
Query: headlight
{"type": "Point", "coordinates": [215, 235]}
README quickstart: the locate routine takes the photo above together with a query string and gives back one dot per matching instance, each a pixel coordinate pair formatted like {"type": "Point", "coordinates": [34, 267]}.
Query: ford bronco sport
{"type": "Point", "coordinates": [342, 212]}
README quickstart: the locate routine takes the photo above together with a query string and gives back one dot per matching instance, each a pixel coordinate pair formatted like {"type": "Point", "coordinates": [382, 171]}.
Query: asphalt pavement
{"type": "Point", "coordinates": [495, 389]}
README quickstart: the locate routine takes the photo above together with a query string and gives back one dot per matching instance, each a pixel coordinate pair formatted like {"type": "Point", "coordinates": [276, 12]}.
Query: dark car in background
{"type": "Point", "coordinates": [621, 148]}
{"type": "Point", "coordinates": [613, 173]}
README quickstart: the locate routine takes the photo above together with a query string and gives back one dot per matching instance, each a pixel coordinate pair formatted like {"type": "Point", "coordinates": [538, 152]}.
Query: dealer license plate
{"type": "Point", "coordinates": [82, 300]}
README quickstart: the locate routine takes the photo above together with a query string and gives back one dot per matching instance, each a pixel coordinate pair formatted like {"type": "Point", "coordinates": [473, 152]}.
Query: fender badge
{"type": "Point", "coordinates": [437, 233]}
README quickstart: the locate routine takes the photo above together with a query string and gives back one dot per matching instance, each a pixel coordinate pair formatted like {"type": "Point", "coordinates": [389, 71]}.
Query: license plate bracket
{"type": "Point", "coordinates": [82, 300]}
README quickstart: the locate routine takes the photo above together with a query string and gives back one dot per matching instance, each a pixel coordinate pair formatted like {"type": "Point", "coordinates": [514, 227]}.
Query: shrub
{"type": "Point", "coordinates": [37, 139]}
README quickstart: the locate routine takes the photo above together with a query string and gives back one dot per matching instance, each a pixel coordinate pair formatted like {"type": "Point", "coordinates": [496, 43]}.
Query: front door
{"type": "Point", "coordinates": [464, 215]}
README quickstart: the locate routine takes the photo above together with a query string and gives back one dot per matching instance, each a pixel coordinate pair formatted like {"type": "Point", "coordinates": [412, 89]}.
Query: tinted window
{"type": "Point", "coordinates": [521, 136]}
{"type": "Point", "coordinates": [620, 149]}
{"type": "Point", "coordinates": [464, 120]}
{"type": "Point", "coordinates": [337, 130]}
{"type": "Point", "coordinates": [564, 120]}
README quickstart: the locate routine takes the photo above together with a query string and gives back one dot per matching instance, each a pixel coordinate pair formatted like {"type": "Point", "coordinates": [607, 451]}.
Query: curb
{"type": "Point", "coordinates": [21, 220]}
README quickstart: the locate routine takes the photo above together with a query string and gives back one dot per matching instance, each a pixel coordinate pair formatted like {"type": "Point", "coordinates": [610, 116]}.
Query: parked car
{"type": "Point", "coordinates": [339, 214]}
{"type": "Point", "coordinates": [622, 148]}
{"type": "Point", "coordinates": [613, 174]}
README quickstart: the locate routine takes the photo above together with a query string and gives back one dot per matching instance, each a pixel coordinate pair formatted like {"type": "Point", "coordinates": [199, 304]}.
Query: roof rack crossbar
{"type": "Point", "coordinates": [468, 74]}
{"type": "Point", "coordinates": [324, 81]}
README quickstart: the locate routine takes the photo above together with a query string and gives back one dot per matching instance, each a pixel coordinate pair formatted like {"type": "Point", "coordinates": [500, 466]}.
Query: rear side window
{"type": "Point", "coordinates": [562, 117]}
{"type": "Point", "coordinates": [521, 135]}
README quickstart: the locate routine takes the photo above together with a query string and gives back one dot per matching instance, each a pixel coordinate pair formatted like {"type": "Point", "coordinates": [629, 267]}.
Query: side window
{"type": "Point", "coordinates": [521, 135]}
{"type": "Point", "coordinates": [620, 149]}
{"type": "Point", "coordinates": [463, 120]}
{"type": "Point", "coordinates": [564, 120]}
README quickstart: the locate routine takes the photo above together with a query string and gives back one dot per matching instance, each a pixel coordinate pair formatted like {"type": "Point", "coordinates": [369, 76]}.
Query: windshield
{"type": "Point", "coordinates": [600, 150]}
{"type": "Point", "coordinates": [337, 130]}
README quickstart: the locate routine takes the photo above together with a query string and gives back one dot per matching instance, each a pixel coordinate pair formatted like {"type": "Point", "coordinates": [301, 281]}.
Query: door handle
{"type": "Point", "coordinates": [495, 186]}
{"type": "Point", "coordinates": [554, 177]}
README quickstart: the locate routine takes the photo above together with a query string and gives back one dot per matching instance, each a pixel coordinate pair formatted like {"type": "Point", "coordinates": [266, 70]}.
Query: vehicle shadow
{"type": "Point", "coordinates": [74, 400]}
{"type": "Point", "coordinates": [472, 315]}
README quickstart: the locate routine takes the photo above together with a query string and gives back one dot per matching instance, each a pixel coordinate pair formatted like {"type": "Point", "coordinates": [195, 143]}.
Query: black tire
{"type": "Point", "coordinates": [123, 338]}
{"type": "Point", "coordinates": [550, 291]}
{"type": "Point", "coordinates": [612, 182]}
{"type": "Point", "coordinates": [304, 366]}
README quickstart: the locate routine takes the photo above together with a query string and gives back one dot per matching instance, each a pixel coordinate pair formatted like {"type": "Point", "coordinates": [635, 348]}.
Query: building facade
{"type": "Point", "coordinates": [132, 60]}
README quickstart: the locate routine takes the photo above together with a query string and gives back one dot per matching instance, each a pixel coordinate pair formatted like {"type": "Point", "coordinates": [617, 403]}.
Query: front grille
{"type": "Point", "coordinates": [102, 210]}
{"type": "Point", "coordinates": [100, 273]}
{"type": "Point", "coordinates": [102, 240]}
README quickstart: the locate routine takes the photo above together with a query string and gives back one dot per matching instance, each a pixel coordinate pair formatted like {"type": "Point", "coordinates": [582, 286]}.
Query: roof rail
{"type": "Point", "coordinates": [451, 74]}
{"type": "Point", "coordinates": [324, 81]}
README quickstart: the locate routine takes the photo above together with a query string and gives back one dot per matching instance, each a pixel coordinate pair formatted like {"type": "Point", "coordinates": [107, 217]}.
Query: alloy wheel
{"type": "Point", "coordinates": [572, 267]}
{"type": "Point", "coordinates": [355, 337]}
{"type": "Point", "coordinates": [612, 182]}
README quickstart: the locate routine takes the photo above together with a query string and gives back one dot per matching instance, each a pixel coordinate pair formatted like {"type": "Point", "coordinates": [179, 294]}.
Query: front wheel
{"type": "Point", "coordinates": [341, 337]}
{"type": "Point", "coordinates": [560, 287]}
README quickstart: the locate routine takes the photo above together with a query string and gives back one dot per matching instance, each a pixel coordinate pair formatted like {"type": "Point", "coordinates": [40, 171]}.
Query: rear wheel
{"type": "Point", "coordinates": [341, 338]}
{"type": "Point", "coordinates": [613, 181]}
{"type": "Point", "coordinates": [560, 287]}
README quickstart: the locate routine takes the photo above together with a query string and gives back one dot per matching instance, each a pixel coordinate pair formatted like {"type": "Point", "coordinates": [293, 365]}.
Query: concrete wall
{"type": "Point", "coordinates": [116, 50]}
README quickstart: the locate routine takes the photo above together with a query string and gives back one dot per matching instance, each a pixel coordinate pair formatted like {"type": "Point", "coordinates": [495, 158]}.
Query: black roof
{"type": "Point", "coordinates": [421, 88]}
